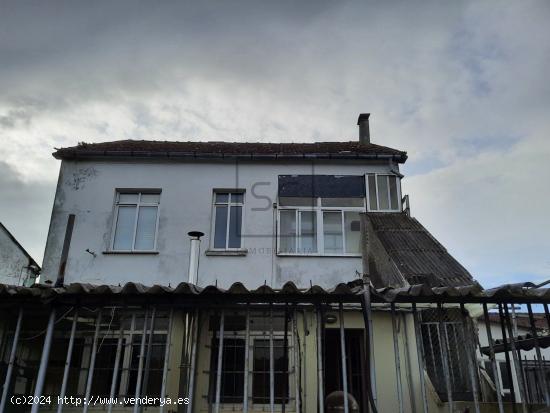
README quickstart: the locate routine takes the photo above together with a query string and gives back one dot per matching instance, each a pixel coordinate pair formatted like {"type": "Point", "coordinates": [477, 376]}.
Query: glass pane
{"type": "Point", "coordinates": [383, 200]}
{"type": "Point", "coordinates": [308, 232]}
{"type": "Point", "coordinates": [297, 201]}
{"type": "Point", "coordinates": [372, 193]}
{"type": "Point", "coordinates": [332, 230]}
{"type": "Point", "coordinates": [150, 198]}
{"type": "Point", "coordinates": [342, 202]}
{"type": "Point", "coordinates": [261, 366]}
{"type": "Point", "coordinates": [393, 192]}
{"type": "Point", "coordinates": [353, 232]}
{"type": "Point", "coordinates": [235, 224]}
{"type": "Point", "coordinates": [287, 237]}
{"type": "Point", "coordinates": [220, 229]}
{"type": "Point", "coordinates": [124, 231]}
{"type": "Point", "coordinates": [222, 197]}
{"type": "Point", "coordinates": [146, 228]}
{"type": "Point", "coordinates": [128, 198]}
{"type": "Point", "coordinates": [232, 383]}
{"type": "Point", "coordinates": [237, 198]}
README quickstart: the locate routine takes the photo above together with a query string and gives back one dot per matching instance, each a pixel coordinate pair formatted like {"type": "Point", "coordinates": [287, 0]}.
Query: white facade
{"type": "Point", "coordinates": [88, 190]}
{"type": "Point", "coordinates": [16, 266]}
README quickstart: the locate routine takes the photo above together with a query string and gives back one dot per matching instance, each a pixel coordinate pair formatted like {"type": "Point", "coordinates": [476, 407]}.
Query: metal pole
{"type": "Point", "coordinates": [194, 343]}
{"type": "Point", "coordinates": [116, 366]}
{"type": "Point", "coordinates": [320, 359]}
{"type": "Point", "coordinates": [542, 374]}
{"type": "Point", "coordinates": [408, 368]}
{"type": "Point", "coordinates": [92, 361]}
{"type": "Point", "coordinates": [470, 353]}
{"type": "Point", "coordinates": [420, 355]}
{"type": "Point", "coordinates": [397, 359]}
{"type": "Point", "coordinates": [285, 361]}
{"type": "Point", "coordinates": [149, 351]}
{"type": "Point", "coordinates": [167, 358]}
{"type": "Point", "coordinates": [220, 361]}
{"type": "Point", "coordinates": [517, 362]}
{"type": "Point", "coordinates": [343, 358]}
{"type": "Point", "coordinates": [507, 357]}
{"type": "Point", "coordinates": [140, 363]}
{"type": "Point", "coordinates": [43, 362]}
{"type": "Point", "coordinates": [11, 362]}
{"type": "Point", "coordinates": [271, 363]}
{"type": "Point", "coordinates": [372, 365]}
{"type": "Point", "coordinates": [444, 357]}
{"type": "Point", "coordinates": [66, 371]}
{"type": "Point", "coordinates": [492, 357]}
{"type": "Point", "coordinates": [297, 367]}
{"type": "Point", "coordinates": [246, 361]}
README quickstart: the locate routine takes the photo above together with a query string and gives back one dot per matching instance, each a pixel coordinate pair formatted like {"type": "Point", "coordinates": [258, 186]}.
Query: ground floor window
{"type": "Point", "coordinates": [126, 327]}
{"type": "Point", "coordinates": [452, 335]}
{"type": "Point", "coordinates": [260, 346]}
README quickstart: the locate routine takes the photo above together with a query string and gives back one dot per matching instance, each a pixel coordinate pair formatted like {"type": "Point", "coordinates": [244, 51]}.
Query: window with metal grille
{"type": "Point", "coordinates": [259, 370]}
{"type": "Point", "coordinates": [453, 337]}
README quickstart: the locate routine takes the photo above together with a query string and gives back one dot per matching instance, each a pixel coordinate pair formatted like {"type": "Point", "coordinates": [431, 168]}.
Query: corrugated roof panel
{"type": "Point", "coordinates": [416, 253]}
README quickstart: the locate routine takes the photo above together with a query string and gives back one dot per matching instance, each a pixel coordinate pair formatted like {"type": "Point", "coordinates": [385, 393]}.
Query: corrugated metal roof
{"type": "Point", "coordinates": [349, 292]}
{"type": "Point", "coordinates": [221, 150]}
{"type": "Point", "coordinates": [417, 255]}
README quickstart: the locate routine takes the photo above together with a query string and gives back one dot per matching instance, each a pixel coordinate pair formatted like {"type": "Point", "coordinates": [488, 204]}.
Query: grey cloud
{"type": "Point", "coordinates": [457, 84]}
{"type": "Point", "coordinates": [25, 209]}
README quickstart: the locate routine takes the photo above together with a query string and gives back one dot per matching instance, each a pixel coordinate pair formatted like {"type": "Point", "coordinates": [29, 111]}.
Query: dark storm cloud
{"type": "Point", "coordinates": [461, 85]}
{"type": "Point", "coordinates": [25, 209]}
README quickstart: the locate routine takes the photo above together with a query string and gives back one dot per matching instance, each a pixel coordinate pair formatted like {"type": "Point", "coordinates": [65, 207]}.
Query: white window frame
{"type": "Point", "coordinates": [138, 204]}
{"type": "Point", "coordinates": [229, 204]}
{"type": "Point", "coordinates": [398, 187]}
{"type": "Point", "coordinates": [318, 209]}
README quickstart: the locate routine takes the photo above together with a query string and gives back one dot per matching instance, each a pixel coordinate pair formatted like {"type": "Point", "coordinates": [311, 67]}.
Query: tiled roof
{"type": "Point", "coordinates": [231, 150]}
{"type": "Point", "coordinates": [347, 292]}
{"type": "Point", "coordinates": [418, 257]}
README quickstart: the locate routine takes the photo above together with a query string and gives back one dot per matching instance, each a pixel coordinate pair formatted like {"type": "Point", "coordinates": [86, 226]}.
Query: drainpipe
{"type": "Point", "coordinates": [193, 276]}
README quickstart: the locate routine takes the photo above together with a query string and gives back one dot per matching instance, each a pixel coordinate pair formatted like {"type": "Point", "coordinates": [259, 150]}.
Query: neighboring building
{"type": "Point", "coordinates": [523, 330]}
{"type": "Point", "coordinates": [243, 276]}
{"type": "Point", "coordinates": [17, 267]}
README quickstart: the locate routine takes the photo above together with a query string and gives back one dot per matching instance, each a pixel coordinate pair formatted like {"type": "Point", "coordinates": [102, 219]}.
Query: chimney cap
{"type": "Point", "coordinates": [363, 117]}
{"type": "Point", "coordinates": [196, 234]}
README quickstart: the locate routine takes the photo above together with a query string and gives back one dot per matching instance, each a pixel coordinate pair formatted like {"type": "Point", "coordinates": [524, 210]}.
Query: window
{"type": "Point", "coordinates": [319, 226]}
{"type": "Point", "coordinates": [453, 335]}
{"type": "Point", "coordinates": [233, 358]}
{"type": "Point", "coordinates": [261, 374]}
{"type": "Point", "coordinates": [228, 212]}
{"type": "Point", "coordinates": [117, 324]}
{"type": "Point", "coordinates": [136, 221]}
{"type": "Point", "coordinates": [383, 192]}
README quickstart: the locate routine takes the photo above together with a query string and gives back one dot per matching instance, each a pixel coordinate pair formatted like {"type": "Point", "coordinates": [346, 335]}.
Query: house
{"type": "Point", "coordinates": [17, 267]}
{"type": "Point", "coordinates": [226, 276]}
{"type": "Point", "coordinates": [523, 329]}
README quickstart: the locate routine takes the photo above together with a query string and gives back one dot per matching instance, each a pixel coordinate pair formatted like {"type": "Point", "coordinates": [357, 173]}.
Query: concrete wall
{"type": "Point", "coordinates": [13, 261]}
{"type": "Point", "coordinates": [87, 189]}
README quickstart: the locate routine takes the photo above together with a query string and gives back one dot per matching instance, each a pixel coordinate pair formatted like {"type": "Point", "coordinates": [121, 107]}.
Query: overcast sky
{"type": "Point", "coordinates": [463, 86]}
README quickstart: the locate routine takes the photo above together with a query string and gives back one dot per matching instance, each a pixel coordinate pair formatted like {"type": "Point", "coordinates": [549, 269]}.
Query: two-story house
{"type": "Point", "coordinates": [230, 276]}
